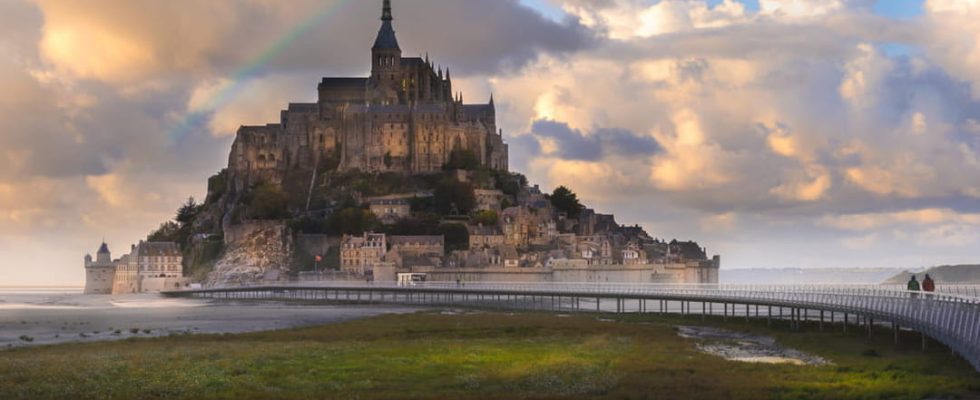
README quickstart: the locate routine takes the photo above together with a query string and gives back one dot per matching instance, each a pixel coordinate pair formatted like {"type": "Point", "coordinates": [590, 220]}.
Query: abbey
{"type": "Point", "coordinates": [404, 118]}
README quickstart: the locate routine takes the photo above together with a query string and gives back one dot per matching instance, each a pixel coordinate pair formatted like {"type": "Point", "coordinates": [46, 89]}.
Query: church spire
{"type": "Point", "coordinates": [386, 11]}
{"type": "Point", "coordinates": [386, 36]}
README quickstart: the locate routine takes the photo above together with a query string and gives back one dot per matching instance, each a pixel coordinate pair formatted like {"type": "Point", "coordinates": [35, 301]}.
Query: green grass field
{"type": "Point", "coordinates": [482, 356]}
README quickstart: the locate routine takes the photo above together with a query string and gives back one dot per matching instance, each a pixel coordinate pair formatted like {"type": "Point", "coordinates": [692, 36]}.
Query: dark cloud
{"type": "Point", "coordinates": [576, 145]}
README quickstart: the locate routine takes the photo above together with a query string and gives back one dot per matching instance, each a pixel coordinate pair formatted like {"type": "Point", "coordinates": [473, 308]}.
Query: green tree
{"type": "Point", "coordinates": [511, 183]}
{"type": "Point", "coordinates": [457, 237]}
{"type": "Point", "coordinates": [423, 224]}
{"type": "Point", "coordinates": [454, 196]}
{"type": "Point", "coordinates": [167, 232]}
{"type": "Point", "coordinates": [351, 221]}
{"type": "Point", "coordinates": [187, 212]}
{"type": "Point", "coordinates": [267, 201]}
{"type": "Point", "coordinates": [217, 186]}
{"type": "Point", "coordinates": [486, 217]}
{"type": "Point", "coordinates": [566, 201]}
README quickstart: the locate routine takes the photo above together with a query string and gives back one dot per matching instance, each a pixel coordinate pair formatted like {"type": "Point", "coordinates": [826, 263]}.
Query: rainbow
{"type": "Point", "coordinates": [197, 117]}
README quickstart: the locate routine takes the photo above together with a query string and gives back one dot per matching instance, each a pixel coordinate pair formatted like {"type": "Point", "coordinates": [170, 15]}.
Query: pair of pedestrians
{"type": "Point", "coordinates": [928, 285]}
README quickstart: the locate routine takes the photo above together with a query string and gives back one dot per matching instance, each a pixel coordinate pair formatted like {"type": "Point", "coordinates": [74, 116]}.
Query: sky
{"type": "Point", "coordinates": [777, 133]}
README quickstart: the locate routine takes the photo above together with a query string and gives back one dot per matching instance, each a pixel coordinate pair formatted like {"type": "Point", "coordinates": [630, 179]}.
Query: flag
{"type": "Point", "coordinates": [318, 258]}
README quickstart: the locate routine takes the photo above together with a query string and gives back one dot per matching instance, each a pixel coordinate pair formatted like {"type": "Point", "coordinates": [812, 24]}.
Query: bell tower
{"type": "Point", "coordinates": [386, 58]}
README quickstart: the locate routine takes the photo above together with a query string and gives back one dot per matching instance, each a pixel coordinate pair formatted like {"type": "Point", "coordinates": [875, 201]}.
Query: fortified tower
{"type": "Point", "coordinates": [386, 62]}
{"type": "Point", "coordinates": [100, 274]}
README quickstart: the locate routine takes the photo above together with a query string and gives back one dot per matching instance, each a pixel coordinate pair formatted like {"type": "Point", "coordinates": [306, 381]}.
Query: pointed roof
{"type": "Point", "coordinates": [386, 36]}
{"type": "Point", "coordinates": [104, 249]}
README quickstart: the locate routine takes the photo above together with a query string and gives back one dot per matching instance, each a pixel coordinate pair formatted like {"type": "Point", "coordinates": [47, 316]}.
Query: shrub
{"type": "Point", "coordinates": [486, 217]}
{"type": "Point", "coordinates": [217, 186]}
{"type": "Point", "coordinates": [456, 236]}
{"type": "Point", "coordinates": [26, 338]}
{"type": "Point", "coordinates": [351, 221]}
{"type": "Point", "coordinates": [453, 196]}
{"type": "Point", "coordinates": [267, 201]}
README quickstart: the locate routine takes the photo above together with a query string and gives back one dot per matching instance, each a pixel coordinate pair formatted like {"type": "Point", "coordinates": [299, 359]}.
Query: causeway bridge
{"type": "Point", "coordinates": [951, 316]}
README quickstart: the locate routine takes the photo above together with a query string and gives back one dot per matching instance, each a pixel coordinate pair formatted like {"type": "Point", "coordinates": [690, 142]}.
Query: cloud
{"type": "Point", "coordinates": [926, 216]}
{"type": "Point", "coordinates": [560, 140]}
{"type": "Point", "coordinates": [136, 42]}
{"type": "Point", "coordinates": [691, 161]}
{"type": "Point", "coordinates": [952, 38]}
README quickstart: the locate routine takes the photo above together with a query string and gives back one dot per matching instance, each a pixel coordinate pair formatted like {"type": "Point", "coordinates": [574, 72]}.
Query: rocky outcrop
{"type": "Point", "coordinates": [255, 251]}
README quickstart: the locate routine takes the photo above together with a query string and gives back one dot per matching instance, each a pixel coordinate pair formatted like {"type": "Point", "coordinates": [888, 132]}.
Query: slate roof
{"type": "Point", "coordinates": [476, 110]}
{"type": "Point", "coordinates": [158, 249]}
{"type": "Point", "coordinates": [343, 83]}
{"type": "Point", "coordinates": [412, 61]}
{"type": "Point", "coordinates": [386, 38]}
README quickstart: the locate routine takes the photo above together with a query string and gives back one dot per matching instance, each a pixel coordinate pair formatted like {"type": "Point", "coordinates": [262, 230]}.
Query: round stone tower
{"type": "Point", "coordinates": [101, 274]}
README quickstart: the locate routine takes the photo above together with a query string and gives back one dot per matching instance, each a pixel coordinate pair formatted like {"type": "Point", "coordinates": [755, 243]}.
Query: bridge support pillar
{"type": "Point", "coordinates": [845, 322]}
{"type": "Point", "coordinates": [703, 309]}
{"type": "Point", "coordinates": [821, 320]}
{"type": "Point", "coordinates": [746, 313]}
{"type": "Point", "coordinates": [871, 324]}
{"type": "Point", "coordinates": [923, 341]}
{"type": "Point", "coordinates": [897, 330]}
{"type": "Point", "coordinates": [769, 318]}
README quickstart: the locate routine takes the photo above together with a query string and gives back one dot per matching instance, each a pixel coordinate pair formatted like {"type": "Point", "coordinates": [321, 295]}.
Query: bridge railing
{"type": "Point", "coordinates": [943, 293]}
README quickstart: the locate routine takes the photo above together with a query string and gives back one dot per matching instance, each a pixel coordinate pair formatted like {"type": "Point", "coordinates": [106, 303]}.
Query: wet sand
{"type": "Point", "coordinates": [30, 319]}
{"type": "Point", "coordinates": [738, 346]}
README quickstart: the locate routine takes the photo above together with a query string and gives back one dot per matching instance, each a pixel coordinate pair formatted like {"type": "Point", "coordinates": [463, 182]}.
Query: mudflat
{"type": "Point", "coordinates": [34, 318]}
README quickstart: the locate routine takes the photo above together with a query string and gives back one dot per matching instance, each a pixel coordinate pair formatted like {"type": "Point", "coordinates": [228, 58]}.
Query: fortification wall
{"type": "Point", "coordinates": [156, 285]}
{"type": "Point", "coordinates": [647, 273]}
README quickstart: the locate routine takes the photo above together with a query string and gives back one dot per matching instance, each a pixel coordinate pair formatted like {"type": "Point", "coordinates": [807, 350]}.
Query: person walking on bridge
{"type": "Point", "coordinates": [913, 286]}
{"type": "Point", "coordinates": [928, 285]}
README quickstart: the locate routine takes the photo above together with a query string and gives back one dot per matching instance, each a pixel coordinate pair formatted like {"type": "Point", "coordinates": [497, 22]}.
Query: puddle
{"type": "Point", "coordinates": [744, 347]}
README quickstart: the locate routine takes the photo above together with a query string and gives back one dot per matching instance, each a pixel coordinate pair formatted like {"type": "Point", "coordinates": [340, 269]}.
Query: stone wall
{"type": "Point", "coordinates": [647, 273]}
{"type": "Point", "coordinates": [99, 279]}
{"type": "Point", "coordinates": [156, 285]}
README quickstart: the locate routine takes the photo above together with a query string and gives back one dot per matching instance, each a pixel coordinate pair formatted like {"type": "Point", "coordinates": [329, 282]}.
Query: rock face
{"type": "Point", "coordinates": [255, 251]}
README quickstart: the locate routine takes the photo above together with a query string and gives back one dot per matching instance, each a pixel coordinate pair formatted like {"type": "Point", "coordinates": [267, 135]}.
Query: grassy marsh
{"type": "Point", "coordinates": [482, 356]}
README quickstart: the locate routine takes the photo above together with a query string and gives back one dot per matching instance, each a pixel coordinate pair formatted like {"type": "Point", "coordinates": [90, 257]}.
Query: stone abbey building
{"type": "Point", "coordinates": [404, 118]}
